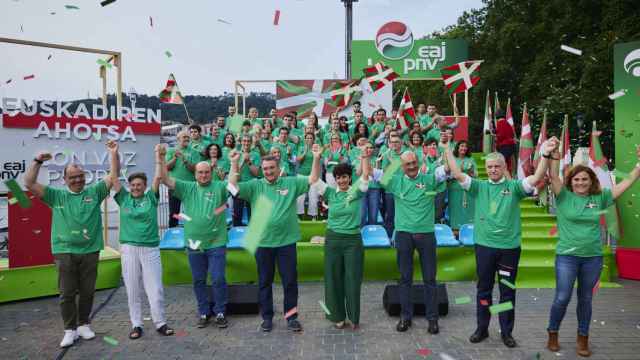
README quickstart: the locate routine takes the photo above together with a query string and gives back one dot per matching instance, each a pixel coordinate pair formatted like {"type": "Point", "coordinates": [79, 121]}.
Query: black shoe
{"type": "Point", "coordinates": [267, 325]}
{"type": "Point", "coordinates": [433, 327]}
{"type": "Point", "coordinates": [294, 325]}
{"type": "Point", "coordinates": [221, 321]}
{"type": "Point", "coordinates": [403, 325]}
{"type": "Point", "coordinates": [203, 321]}
{"type": "Point", "coordinates": [478, 336]}
{"type": "Point", "coordinates": [509, 341]}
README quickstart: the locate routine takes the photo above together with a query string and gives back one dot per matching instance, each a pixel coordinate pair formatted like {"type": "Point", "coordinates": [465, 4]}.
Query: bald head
{"type": "Point", "coordinates": [203, 173]}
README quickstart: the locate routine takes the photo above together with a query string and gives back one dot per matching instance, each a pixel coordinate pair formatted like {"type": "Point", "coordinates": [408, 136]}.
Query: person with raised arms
{"type": "Point", "coordinates": [180, 162]}
{"type": "Point", "coordinates": [580, 202]}
{"type": "Point", "coordinates": [497, 235]}
{"type": "Point", "coordinates": [139, 253]}
{"type": "Point", "coordinates": [205, 234]}
{"type": "Point", "coordinates": [278, 244]}
{"type": "Point", "coordinates": [305, 163]}
{"type": "Point", "coordinates": [76, 237]}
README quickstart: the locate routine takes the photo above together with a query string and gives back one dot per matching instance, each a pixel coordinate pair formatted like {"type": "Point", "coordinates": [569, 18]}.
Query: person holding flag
{"type": "Point", "coordinates": [581, 201]}
{"type": "Point", "coordinates": [497, 234]}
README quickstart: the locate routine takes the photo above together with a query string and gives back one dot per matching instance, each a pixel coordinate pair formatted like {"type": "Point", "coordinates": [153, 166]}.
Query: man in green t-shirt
{"type": "Point", "coordinates": [205, 234]}
{"type": "Point", "coordinates": [198, 142]}
{"type": "Point", "coordinates": [249, 162]}
{"type": "Point", "coordinates": [304, 158]}
{"type": "Point", "coordinates": [386, 157]}
{"type": "Point", "coordinates": [139, 253]}
{"type": "Point", "coordinates": [413, 193]}
{"type": "Point", "coordinates": [180, 163]}
{"type": "Point", "coordinates": [278, 243]}
{"type": "Point", "coordinates": [76, 237]}
{"type": "Point", "coordinates": [497, 234]}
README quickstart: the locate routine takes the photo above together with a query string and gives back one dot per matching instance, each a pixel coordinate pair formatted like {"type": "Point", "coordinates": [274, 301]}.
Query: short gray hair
{"type": "Point", "coordinates": [496, 156]}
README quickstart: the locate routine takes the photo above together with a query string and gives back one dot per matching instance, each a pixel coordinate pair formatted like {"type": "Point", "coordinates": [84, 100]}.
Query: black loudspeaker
{"type": "Point", "coordinates": [391, 299]}
{"type": "Point", "coordinates": [242, 299]}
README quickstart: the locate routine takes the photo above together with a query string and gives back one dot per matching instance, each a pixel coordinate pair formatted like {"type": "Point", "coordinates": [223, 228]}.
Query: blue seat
{"type": "Point", "coordinates": [374, 236]}
{"type": "Point", "coordinates": [173, 239]}
{"type": "Point", "coordinates": [444, 236]}
{"type": "Point", "coordinates": [466, 235]}
{"type": "Point", "coordinates": [236, 237]}
{"type": "Point", "coordinates": [228, 215]}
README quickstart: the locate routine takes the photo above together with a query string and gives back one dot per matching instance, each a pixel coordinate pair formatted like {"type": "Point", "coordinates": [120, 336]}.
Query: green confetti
{"type": "Point", "coordinates": [104, 63]}
{"type": "Point", "coordinates": [18, 194]}
{"type": "Point", "coordinates": [507, 283]}
{"type": "Point", "coordinates": [390, 171]}
{"type": "Point", "coordinates": [257, 224]}
{"type": "Point", "coordinates": [72, 7]}
{"type": "Point", "coordinates": [431, 193]}
{"type": "Point", "coordinates": [462, 300]}
{"type": "Point", "coordinates": [168, 53]}
{"type": "Point", "coordinates": [111, 341]}
{"type": "Point", "coordinates": [324, 307]}
{"type": "Point", "coordinates": [13, 201]}
{"type": "Point", "coordinates": [496, 309]}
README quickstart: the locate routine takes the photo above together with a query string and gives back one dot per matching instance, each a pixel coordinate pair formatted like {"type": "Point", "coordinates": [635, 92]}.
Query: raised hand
{"type": "Point", "coordinates": [112, 146]}
{"type": "Point", "coordinates": [316, 150]}
{"type": "Point", "coordinates": [160, 151]}
{"type": "Point", "coordinates": [43, 156]}
{"type": "Point", "coordinates": [234, 156]}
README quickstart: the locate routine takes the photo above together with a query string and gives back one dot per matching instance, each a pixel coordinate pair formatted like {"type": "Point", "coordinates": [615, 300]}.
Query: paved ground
{"type": "Point", "coordinates": [32, 330]}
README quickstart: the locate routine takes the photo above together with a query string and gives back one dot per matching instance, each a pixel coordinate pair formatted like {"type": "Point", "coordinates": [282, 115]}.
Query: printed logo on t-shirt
{"type": "Point", "coordinates": [591, 205]}
{"type": "Point", "coordinates": [420, 186]}
{"type": "Point", "coordinates": [505, 192]}
{"type": "Point", "coordinates": [87, 199]}
{"type": "Point", "coordinates": [283, 192]}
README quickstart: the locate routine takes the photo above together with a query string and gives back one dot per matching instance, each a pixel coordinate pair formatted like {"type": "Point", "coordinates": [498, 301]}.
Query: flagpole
{"type": "Point", "coordinates": [187, 111]}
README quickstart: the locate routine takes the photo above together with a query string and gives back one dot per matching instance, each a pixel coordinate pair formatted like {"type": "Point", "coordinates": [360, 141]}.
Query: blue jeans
{"type": "Point", "coordinates": [568, 269]}
{"type": "Point", "coordinates": [370, 207]}
{"type": "Point", "coordinates": [212, 261]}
{"type": "Point", "coordinates": [286, 258]}
{"type": "Point", "coordinates": [425, 243]}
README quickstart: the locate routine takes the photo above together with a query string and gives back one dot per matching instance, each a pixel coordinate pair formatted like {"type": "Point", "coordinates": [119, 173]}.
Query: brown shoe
{"type": "Point", "coordinates": [583, 346]}
{"type": "Point", "coordinates": [552, 343]}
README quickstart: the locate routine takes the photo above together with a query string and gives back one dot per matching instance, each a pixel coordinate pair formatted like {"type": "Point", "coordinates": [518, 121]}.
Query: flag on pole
{"type": "Point", "coordinates": [565, 148]}
{"type": "Point", "coordinates": [509, 115]}
{"type": "Point", "coordinates": [461, 76]}
{"type": "Point", "coordinates": [525, 165]}
{"type": "Point", "coordinates": [542, 137]}
{"type": "Point", "coordinates": [379, 75]}
{"type": "Point", "coordinates": [406, 113]}
{"type": "Point", "coordinates": [487, 146]}
{"type": "Point", "coordinates": [171, 94]}
{"type": "Point", "coordinates": [344, 94]}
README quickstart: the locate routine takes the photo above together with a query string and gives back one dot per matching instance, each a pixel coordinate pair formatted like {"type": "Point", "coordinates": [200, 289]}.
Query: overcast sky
{"type": "Point", "coordinates": [207, 55]}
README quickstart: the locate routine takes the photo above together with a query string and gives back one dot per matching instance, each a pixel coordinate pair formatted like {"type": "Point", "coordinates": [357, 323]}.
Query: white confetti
{"type": "Point", "coordinates": [571, 50]}
{"type": "Point", "coordinates": [617, 94]}
{"type": "Point", "coordinates": [184, 216]}
{"type": "Point", "coordinates": [602, 323]}
{"type": "Point", "coordinates": [445, 356]}
{"type": "Point", "coordinates": [147, 319]}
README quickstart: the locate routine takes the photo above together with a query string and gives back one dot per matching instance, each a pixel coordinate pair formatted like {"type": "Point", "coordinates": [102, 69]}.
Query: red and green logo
{"type": "Point", "coordinates": [394, 40]}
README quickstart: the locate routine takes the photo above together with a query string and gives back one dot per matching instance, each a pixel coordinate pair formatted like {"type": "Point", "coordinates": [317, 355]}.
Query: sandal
{"type": "Point", "coordinates": [136, 333]}
{"type": "Point", "coordinates": [165, 330]}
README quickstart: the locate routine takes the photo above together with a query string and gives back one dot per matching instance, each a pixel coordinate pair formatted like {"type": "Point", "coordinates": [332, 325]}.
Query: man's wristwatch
{"type": "Point", "coordinates": [38, 161]}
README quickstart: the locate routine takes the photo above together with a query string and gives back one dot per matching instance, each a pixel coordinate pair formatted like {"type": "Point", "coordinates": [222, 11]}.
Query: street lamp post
{"type": "Point", "coordinates": [348, 23]}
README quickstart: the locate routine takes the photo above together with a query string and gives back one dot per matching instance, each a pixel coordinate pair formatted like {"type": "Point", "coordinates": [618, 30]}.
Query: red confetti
{"type": "Point", "coordinates": [424, 352]}
{"type": "Point", "coordinates": [484, 302]}
{"type": "Point", "coordinates": [554, 230]}
{"type": "Point", "coordinates": [291, 312]}
{"type": "Point", "coordinates": [181, 333]}
{"type": "Point", "coordinates": [276, 18]}
{"type": "Point", "coordinates": [29, 77]}
{"type": "Point", "coordinates": [595, 288]}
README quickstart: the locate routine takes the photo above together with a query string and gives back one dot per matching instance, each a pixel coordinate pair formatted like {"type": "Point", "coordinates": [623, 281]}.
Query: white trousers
{"type": "Point", "coordinates": [142, 272]}
{"type": "Point", "coordinates": [313, 202]}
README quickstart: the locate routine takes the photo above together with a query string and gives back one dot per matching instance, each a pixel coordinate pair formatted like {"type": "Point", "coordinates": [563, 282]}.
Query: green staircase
{"type": "Point", "coordinates": [537, 260]}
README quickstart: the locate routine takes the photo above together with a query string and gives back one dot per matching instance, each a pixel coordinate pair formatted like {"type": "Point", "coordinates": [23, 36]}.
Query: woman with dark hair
{"type": "Point", "coordinates": [228, 145]}
{"type": "Point", "coordinates": [335, 154]}
{"type": "Point", "coordinates": [415, 144]}
{"type": "Point", "coordinates": [343, 249]}
{"type": "Point", "coordinates": [344, 126]}
{"type": "Point", "coordinates": [212, 155]}
{"type": "Point", "coordinates": [580, 202]}
{"type": "Point", "coordinates": [363, 129]}
{"type": "Point", "coordinates": [461, 210]}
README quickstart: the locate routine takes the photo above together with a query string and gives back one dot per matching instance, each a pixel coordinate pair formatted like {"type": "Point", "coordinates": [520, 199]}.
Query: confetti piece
{"type": "Point", "coordinates": [293, 310]}
{"type": "Point", "coordinates": [390, 171]}
{"type": "Point", "coordinates": [276, 18]}
{"type": "Point", "coordinates": [257, 224]}
{"type": "Point", "coordinates": [462, 300]}
{"type": "Point", "coordinates": [445, 356]}
{"type": "Point", "coordinates": [571, 50]}
{"type": "Point", "coordinates": [71, 7]}
{"type": "Point", "coordinates": [181, 333]}
{"type": "Point", "coordinates": [111, 341]}
{"type": "Point", "coordinates": [37, 231]}
{"type": "Point", "coordinates": [554, 230]}
{"type": "Point", "coordinates": [595, 288]}
{"type": "Point", "coordinates": [107, 2]}
{"type": "Point", "coordinates": [8, 81]}
{"type": "Point", "coordinates": [150, 21]}
{"type": "Point", "coordinates": [104, 63]}
{"type": "Point", "coordinates": [484, 302]}
{"type": "Point", "coordinates": [146, 318]}
{"type": "Point", "coordinates": [496, 309]}
{"type": "Point", "coordinates": [168, 53]}
{"type": "Point", "coordinates": [423, 352]}
{"type": "Point", "coordinates": [324, 307]}
{"type": "Point", "coordinates": [504, 273]}
{"type": "Point", "coordinates": [431, 193]}
{"type": "Point", "coordinates": [618, 94]}
{"type": "Point", "coordinates": [184, 217]}
{"type": "Point", "coordinates": [18, 194]}
{"type": "Point", "coordinates": [29, 77]}
{"type": "Point", "coordinates": [224, 21]}
{"type": "Point", "coordinates": [49, 57]}
{"type": "Point", "coordinates": [507, 283]}
{"type": "Point", "coordinates": [13, 201]}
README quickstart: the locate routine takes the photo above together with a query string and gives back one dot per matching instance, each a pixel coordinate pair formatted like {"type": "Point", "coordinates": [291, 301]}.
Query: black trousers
{"type": "Point", "coordinates": [238, 207]}
{"type": "Point", "coordinates": [490, 261]}
{"type": "Point", "coordinates": [266, 260]}
{"type": "Point", "coordinates": [174, 209]}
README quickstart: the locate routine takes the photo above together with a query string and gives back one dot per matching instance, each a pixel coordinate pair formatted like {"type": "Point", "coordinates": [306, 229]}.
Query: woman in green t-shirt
{"type": "Point", "coordinates": [580, 203]}
{"type": "Point", "coordinates": [213, 156]}
{"type": "Point", "coordinates": [334, 154]}
{"type": "Point", "coordinates": [343, 248]}
{"type": "Point", "coordinates": [461, 210]}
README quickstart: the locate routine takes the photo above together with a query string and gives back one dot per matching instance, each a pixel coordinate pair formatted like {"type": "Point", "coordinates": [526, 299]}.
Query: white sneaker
{"type": "Point", "coordinates": [85, 332]}
{"type": "Point", "coordinates": [70, 336]}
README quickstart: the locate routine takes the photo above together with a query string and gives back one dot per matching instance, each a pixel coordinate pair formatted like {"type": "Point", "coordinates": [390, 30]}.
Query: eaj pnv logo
{"type": "Point", "coordinates": [632, 63]}
{"type": "Point", "coordinates": [394, 40]}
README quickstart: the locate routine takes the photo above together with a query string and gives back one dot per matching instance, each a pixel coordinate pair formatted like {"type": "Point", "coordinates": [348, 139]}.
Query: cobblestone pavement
{"type": "Point", "coordinates": [32, 330]}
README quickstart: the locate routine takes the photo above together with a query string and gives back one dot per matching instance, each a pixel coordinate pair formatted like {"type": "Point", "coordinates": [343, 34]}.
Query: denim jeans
{"type": "Point", "coordinates": [286, 258]}
{"type": "Point", "coordinates": [238, 209]}
{"type": "Point", "coordinates": [370, 207]}
{"type": "Point", "coordinates": [211, 261]}
{"type": "Point", "coordinates": [490, 260]}
{"type": "Point", "coordinates": [390, 213]}
{"type": "Point", "coordinates": [569, 268]}
{"type": "Point", "coordinates": [425, 243]}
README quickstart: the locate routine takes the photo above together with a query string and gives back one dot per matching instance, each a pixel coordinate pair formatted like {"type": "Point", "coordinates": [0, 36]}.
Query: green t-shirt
{"type": "Point", "coordinates": [433, 133]}
{"type": "Point", "coordinates": [579, 222]}
{"type": "Point", "coordinates": [76, 225]}
{"type": "Point", "coordinates": [245, 170]}
{"type": "Point", "coordinates": [138, 218]}
{"type": "Point", "coordinates": [304, 166]}
{"type": "Point", "coordinates": [199, 203]}
{"type": "Point", "coordinates": [414, 207]}
{"type": "Point", "coordinates": [198, 147]}
{"type": "Point", "coordinates": [424, 119]}
{"type": "Point", "coordinates": [283, 228]}
{"type": "Point", "coordinates": [344, 209]}
{"type": "Point", "coordinates": [468, 166]}
{"type": "Point", "coordinates": [334, 157]}
{"type": "Point", "coordinates": [497, 212]}
{"type": "Point", "coordinates": [180, 170]}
